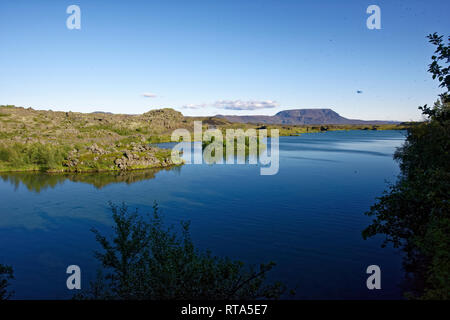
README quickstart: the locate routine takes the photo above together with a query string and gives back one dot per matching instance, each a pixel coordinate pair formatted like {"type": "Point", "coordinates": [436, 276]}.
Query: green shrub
{"type": "Point", "coordinates": [145, 260]}
{"type": "Point", "coordinates": [5, 154]}
{"type": "Point", "coordinates": [41, 156]}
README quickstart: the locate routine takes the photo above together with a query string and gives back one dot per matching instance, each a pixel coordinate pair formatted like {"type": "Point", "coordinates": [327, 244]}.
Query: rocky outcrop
{"type": "Point", "coordinates": [134, 161]}
{"type": "Point", "coordinates": [96, 149]}
{"type": "Point", "coordinates": [141, 156]}
{"type": "Point", "coordinates": [133, 156]}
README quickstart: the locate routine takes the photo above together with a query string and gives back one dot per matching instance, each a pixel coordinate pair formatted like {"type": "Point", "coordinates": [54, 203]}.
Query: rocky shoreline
{"type": "Point", "coordinates": [139, 156]}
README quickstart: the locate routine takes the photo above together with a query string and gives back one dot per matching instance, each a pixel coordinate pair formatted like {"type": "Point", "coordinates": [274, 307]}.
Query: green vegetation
{"type": "Point", "coordinates": [145, 260]}
{"type": "Point", "coordinates": [237, 145]}
{"type": "Point", "coordinates": [6, 274]}
{"type": "Point", "coordinates": [159, 138]}
{"type": "Point", "coordinates": [32, 140]}
{"type": "Point", "coordinates": [414, 214]}
{"type": "Point", "coordinates": [35, 156]}
{"type": "Point", "coordinates": [60, 158]}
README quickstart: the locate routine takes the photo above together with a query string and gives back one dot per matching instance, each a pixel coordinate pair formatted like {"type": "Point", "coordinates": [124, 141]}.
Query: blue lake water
{"type": "Point", "coordinates": [307, 218]}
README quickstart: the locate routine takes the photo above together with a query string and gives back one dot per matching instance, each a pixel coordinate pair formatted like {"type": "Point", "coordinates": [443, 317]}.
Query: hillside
{"type": "Point", "coordinates": [78, 142]}
{"type": "Point", "coordinates": [302, 117]}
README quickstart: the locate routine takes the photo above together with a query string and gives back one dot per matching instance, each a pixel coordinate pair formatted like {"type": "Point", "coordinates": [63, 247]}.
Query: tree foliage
{"type": "Point", "coordinates": [6, 274]}
{"type": "Point", "coordinates": [414, 213]}
{"type": "Point", "coordinates": [145, 260]}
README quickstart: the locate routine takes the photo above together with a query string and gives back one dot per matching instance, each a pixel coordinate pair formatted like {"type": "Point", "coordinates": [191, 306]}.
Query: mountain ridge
{"type": "Point", "coordinates": [302, 117]}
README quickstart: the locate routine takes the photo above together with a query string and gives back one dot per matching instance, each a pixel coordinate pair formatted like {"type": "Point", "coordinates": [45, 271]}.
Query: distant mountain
{"type": "Point", "coordinates": [302, 116]}
{"type": "Point", "coordinates": [102, 112]}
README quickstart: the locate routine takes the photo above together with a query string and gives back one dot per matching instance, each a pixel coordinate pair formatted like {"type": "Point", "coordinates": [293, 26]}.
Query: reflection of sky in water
{"type": "Point", "coordinates": [308, 218]}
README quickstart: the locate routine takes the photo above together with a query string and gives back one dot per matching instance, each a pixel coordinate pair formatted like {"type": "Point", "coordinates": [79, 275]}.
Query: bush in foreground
{"type": "Point", "coordinates": [6, 274]}
{"type": "Point", "coordinates": [145, 260]}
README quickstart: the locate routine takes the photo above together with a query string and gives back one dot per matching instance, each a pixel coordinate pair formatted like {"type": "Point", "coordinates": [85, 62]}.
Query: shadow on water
{"type": "Point", "coordinates": [39, 181]}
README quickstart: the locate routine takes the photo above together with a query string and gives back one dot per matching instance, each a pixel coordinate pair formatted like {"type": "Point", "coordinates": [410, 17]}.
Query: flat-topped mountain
{"type": "Point", "coordinates": [302, 116]}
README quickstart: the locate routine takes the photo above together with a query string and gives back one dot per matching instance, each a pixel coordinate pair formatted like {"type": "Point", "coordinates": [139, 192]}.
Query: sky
{"type": "Point", "coordinates": [221, 57]}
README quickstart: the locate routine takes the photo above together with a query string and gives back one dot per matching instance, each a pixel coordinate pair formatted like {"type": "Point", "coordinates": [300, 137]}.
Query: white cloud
{"type": "Point", "coordinates": [149, 95]}
{"type": "Point", "coordinates": [245, 105]}
{"type": "Point", "coordinates": [194, 106]}
{"type": "Point", "coordinates": [235, 105]}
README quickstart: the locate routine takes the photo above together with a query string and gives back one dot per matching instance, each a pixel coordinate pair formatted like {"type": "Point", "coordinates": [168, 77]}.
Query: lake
{"type": "Point", "coordinates": [307, 218]}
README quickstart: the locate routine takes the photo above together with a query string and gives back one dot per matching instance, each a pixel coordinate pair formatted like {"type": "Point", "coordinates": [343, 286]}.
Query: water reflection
{"type": "Point", "coordinates": [38, 181]}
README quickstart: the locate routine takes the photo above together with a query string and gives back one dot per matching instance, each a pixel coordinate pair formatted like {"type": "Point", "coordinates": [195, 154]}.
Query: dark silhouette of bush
{"type": "Point", "coordinates": [144, 260]}
{"type": "Point", "coordinates": [6, 274]}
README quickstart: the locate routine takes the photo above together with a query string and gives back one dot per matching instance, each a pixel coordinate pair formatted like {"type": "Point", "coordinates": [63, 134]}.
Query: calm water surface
{"type": "Point", "coordinates": [308, 218]}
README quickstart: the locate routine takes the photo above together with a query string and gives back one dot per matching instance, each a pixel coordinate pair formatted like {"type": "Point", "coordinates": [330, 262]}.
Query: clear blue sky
{"type": "Point", "coordinates": [292, 54]}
